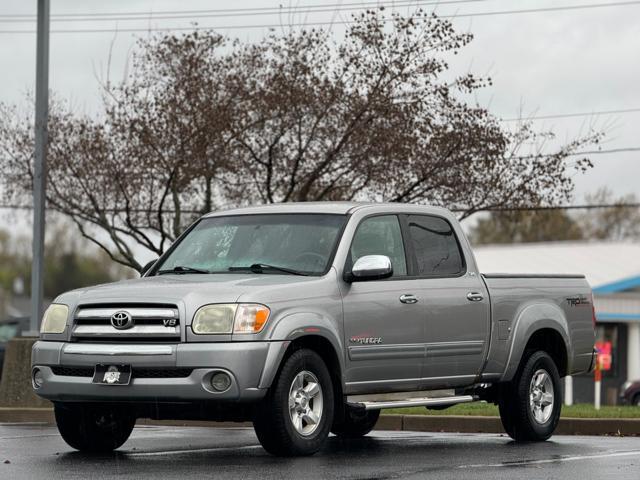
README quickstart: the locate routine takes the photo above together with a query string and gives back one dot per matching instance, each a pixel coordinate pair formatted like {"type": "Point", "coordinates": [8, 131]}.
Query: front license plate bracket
{"type": "Point", "coordinates": [117, 374]}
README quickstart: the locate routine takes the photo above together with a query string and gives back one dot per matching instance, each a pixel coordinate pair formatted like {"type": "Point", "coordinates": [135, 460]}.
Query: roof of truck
{"type": "Point", "coordinates": [339, 208]}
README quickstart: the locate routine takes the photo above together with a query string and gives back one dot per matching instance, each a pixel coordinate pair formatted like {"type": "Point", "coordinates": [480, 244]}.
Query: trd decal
{"type": "Point", "coordinates": [578, 300]}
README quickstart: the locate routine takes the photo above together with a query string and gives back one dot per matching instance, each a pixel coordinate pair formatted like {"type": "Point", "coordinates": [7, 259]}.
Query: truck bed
{"type": "Point", "coordinates": [562, 301]}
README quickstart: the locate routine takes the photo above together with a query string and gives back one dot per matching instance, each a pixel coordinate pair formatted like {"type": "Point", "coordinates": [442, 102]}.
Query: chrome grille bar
{"type": "Point", "coordinates": [135, 312]}
{"type": "Point", "coordinates": [135, 331]}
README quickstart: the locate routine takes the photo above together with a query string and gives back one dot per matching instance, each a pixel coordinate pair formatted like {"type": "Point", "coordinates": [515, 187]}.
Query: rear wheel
{"type": "Point", "coordinates": [93, 427]}
{"type": "Point", "coordinates": [295, 417]}
{"type": "Point", "coordinates": [530, 404]}
{"type": "Point", "coordinates": [357, 422]}
{"type": "Point", "coordinates": [636, 400]}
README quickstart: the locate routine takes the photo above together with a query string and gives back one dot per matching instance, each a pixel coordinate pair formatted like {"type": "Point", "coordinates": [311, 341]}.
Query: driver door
{"type": "Point", "coordinates": [383, 334]}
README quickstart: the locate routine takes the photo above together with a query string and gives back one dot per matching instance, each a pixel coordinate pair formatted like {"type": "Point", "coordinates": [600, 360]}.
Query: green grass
{"type": "Point", "coordinates": [489, 410]}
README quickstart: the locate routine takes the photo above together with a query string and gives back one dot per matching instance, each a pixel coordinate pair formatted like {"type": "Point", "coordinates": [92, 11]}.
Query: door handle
{"type": "Point", "coordinates": [408, 298]}
{"type": "Point", "coordinates": [474, 296]}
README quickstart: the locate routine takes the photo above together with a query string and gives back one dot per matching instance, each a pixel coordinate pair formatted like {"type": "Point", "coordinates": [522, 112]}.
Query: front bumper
{"type": "Point", "coordinates": [251, 366]}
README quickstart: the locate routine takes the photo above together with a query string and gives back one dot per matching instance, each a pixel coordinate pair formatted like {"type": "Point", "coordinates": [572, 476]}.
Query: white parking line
{"type": "Point", "coordinates": [193, 450]}
{"type": "Point", "coordinates": [553, 460]}
{"type": "Point", "coordinates": [30, 436]}
{"type": "Point", "coordinates": [390, 438]}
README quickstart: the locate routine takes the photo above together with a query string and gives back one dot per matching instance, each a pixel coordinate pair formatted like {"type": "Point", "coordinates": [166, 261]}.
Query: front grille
{"type": "Point", "coordinates": [152, 322]}
{"type": "Point", "coordinates": [135, 372]}
{"type": "Point", "coordinates": [161, 372]}
{"type": "Point", "coordinates": [73, 371]}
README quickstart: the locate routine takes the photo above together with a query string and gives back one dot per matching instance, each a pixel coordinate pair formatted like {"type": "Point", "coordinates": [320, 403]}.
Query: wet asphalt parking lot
{"type": "Point", "coordinates": [37, 451]}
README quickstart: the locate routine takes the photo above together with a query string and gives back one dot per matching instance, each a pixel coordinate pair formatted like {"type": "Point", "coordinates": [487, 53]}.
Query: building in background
{"type": "Point", "coordinates": [613, 271]}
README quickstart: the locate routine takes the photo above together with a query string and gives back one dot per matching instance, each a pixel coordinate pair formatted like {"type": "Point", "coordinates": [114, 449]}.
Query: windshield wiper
{"type": "Point", "coordinates": [181, 269]}
{"type": "Point", "coordinates": [260, 267]}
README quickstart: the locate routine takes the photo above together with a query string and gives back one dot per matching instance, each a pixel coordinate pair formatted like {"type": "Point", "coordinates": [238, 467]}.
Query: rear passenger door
{"type": "Point", "coordinates": [454, 301]}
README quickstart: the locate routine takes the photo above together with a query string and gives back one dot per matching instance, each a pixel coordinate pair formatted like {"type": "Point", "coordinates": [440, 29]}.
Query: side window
{"type": "Point", "coordinates": [435, 245]}
{"type": "Point", "coordinates": [380, 236]}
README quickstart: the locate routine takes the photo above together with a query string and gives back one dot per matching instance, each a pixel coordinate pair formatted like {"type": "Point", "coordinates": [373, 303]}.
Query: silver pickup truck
{"type": "Point", "coordinates": [308, 319]}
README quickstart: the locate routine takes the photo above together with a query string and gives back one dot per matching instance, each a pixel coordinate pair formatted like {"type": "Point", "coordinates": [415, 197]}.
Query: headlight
{"type": "Point", "coordinates": [213, 319]}
{"type": "Point", "coordinates": [55, 319]}
{"type": "Point", "coordinates": [230, 317]}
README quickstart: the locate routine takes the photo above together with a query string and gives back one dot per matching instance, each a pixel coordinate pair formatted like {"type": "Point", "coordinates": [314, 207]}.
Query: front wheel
{"type": "Point", "coordinates": [530, 404]}
{"type": "Point", "coordinates": [93, 427]}
{"type": "Point", "coordinates": [295, 417]}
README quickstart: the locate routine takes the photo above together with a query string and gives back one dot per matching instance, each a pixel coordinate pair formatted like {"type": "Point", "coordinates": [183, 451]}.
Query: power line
{"type": "Point", "coordinates": [10, 206]}
{"type": "Point", "coordinates": [231, 12]}
{"type": "Point", "coordinates": [324, 23]}
{"type": "Point", "coordinates": [598, 152]}
{"type": "Point", "coordinates": [593, 206]}
{"type": "Point", "coordinates": [279, 9]}
{"type": "Point", "coordinates": [577, 154]}
{"type": "Point", "coordinates": [547, 9]}
{"type": "Point", "coordinates": [570, 115]}
{"type": "Point", "coordinates": [590, 206]}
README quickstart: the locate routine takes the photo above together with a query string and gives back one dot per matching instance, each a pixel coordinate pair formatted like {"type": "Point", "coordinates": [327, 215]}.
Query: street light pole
{"type": "Point", "coordinates": [40, 164]}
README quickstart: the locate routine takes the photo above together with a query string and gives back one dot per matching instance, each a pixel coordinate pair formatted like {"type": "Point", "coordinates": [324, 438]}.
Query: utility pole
{"type": "Point", "coordinates": [40, 167]}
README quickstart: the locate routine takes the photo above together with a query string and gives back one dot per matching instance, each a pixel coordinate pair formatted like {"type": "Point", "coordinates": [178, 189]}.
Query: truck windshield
{"type": "Point", "coordinates": [260, 244]}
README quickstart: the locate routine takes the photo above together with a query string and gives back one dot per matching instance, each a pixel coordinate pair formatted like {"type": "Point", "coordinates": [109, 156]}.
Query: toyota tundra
{"type": "Point", "coordinates": [308, 319]}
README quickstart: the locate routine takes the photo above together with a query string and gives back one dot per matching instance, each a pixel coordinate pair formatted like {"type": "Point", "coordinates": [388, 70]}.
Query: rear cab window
{"type": "Point", "coordinates": [436, 249]}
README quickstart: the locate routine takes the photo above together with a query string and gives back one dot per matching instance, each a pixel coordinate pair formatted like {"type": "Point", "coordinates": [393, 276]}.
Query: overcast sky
{"type": "Point", "coordinates": [549, 63]}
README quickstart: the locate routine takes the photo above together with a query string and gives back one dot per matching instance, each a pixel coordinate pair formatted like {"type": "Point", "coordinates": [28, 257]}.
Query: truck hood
{"type": "Point", "coordinates": [193, 289]}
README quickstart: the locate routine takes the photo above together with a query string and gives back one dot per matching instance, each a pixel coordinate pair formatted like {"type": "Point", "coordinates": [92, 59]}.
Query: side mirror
{"type": "Point", "coordinates": [146, 268]}
{"type": "Point", "coordinates": [370, 267]}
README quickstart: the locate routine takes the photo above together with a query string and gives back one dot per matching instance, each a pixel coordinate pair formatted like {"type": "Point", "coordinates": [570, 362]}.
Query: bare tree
{"type": "Point", "coordinates": [619, 222]}
{"type": "Point", "coordinates": [143, 169]}
{"type": "Point", "coordinates": [525, 227]}
{"type": "Point", "coordinates": [203, 122]}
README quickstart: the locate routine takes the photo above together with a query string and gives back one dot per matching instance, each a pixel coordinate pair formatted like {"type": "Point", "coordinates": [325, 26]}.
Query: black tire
{"type": "Point", "coordinates": [516, 413]}
{"type": "Point", "coordinates": [96, 428]}
{"type": "Point", "coordinates": [273, 422]}
{"type": "Point", "coordinates": [636, 400]}
{"type": "Point", "coordinates": [357, 422]}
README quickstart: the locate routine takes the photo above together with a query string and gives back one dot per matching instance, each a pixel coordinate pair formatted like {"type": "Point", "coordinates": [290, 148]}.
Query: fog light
{"type": "Point", "coordinates": [220, 381]}
{"type": "Point", "coordinates": [38, 378]}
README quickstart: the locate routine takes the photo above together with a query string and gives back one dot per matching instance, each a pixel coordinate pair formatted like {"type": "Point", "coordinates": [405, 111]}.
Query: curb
{"type": "Point", "coordinates": [413, 423]}
{"type": "Point", "coordinates": [476, 424]}
{"type": "Point", "coordinates": [15, 385]}
{"type": "Point", "coordinates": [26, 415]}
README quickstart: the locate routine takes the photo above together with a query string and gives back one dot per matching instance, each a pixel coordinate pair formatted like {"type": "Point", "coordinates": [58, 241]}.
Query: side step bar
{"type": "Point", "coordinates": [415, 402]}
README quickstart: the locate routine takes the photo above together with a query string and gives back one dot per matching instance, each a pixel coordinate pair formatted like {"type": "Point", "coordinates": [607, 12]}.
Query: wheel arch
{"type": "Point", "coordinates": [550, 341]}
{"type": "Point", "coordinates": [325, 349]}
{"type": "Point", "coordinates": [540, 327]}
{"type": "Point", "coordinates": [326, 346]}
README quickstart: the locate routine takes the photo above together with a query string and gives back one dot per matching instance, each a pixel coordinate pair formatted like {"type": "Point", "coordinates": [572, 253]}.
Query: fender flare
{"type": "Point", "coordinates": [534, 317]}
{"type": "Point", "coordinates": [293, 327]}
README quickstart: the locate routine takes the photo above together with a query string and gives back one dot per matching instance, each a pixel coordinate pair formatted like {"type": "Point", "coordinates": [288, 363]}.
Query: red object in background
{"type": "Point", "coordinates": [604, 355]}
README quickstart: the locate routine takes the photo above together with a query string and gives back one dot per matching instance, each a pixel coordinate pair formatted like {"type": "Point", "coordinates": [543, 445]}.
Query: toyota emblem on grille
{"type": "Point", "coordinates": [121, 320]}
